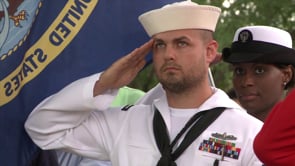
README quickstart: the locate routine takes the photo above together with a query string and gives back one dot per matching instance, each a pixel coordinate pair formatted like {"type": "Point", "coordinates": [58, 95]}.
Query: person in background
{"type": "Point", "coordinates": [191, 124]}
{"type": "Point", "coordinates": [263, 68]}
{"type": "Point", "coordinates": [126, 96]}
{"type": "Point", "coordinates": [275, 143]}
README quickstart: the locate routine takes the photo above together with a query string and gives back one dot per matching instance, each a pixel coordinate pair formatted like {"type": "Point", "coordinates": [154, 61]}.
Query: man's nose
{"type": "Point", "coordinates": [170, 53]}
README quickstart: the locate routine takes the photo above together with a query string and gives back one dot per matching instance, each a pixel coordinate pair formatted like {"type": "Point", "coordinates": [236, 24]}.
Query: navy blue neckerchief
{"type": "Point", "coordinates": [197, 124]}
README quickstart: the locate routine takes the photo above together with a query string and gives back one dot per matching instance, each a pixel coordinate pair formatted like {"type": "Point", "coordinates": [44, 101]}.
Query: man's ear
{"type": "Point", "coordinates": [212, 56]}
{"type": "Point", "coordinates": [217, 59]}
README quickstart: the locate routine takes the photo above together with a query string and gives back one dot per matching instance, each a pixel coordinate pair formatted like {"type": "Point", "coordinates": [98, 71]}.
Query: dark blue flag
{"type": "Point", "coordinates": [45, 45]}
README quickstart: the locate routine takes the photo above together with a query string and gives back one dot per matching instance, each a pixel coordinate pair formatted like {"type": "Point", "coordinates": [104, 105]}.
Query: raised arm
{"type": "Point", "coordinates": [67, 119]}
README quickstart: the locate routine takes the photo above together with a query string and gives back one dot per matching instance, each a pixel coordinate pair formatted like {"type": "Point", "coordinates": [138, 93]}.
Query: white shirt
{"type": "Point", "coordinates": [70, 120]}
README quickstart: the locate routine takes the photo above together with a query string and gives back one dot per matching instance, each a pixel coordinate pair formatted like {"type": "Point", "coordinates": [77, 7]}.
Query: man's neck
{"type": "Point", "coordinates": [192, 98]}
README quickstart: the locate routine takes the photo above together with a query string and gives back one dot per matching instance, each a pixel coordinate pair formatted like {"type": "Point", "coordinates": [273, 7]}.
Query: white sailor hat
{"type": "Point", "coordinates": [260, 44]}
{"type": "Point", "coordinates": [180, 15]}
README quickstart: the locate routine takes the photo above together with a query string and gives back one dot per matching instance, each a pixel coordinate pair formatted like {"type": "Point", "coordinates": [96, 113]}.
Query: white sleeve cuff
{"type": "Point", "coordinates": [103, 101]}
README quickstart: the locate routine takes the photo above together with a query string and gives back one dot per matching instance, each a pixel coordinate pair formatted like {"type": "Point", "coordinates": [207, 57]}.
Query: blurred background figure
{"type": "Point", "coordinates": [275, 143]}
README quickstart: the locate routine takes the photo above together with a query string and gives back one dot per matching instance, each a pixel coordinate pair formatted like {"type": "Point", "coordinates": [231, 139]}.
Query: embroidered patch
{"type": "Point", "coordinates": [126, 107]}
{"type": "Point", "coordinates": [245, 36]}
{"type": "Point", "coordinates": [221, 146]}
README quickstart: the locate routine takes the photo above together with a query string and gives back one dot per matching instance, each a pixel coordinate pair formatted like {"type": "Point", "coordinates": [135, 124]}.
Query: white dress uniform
{"type": "Point", "coordinates": [75, 121]}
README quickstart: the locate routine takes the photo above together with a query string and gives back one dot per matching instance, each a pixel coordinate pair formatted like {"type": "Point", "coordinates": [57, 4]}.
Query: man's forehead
{"type": "Point", "coordinates": [177, 34]}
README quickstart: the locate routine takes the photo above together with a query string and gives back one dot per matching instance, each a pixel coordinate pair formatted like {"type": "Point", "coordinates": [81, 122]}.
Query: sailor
{"type": "Point", "coordinates": [191, 124]}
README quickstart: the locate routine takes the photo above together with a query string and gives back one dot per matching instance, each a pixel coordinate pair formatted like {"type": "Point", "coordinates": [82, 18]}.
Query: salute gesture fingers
{"type": "Point", "coordinates": [124, 70]}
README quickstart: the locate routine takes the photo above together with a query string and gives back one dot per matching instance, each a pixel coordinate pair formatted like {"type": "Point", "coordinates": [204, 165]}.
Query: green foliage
{"type": "Point", "coordinates": [235, 14]}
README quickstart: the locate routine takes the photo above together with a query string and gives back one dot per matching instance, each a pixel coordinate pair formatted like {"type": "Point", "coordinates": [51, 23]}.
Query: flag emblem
{"type": "Point", "coordinates": [17, 18]}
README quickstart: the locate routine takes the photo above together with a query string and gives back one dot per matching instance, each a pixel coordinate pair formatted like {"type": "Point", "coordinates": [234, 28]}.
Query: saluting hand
{"type": "Point", "coordinates": [124, 70]}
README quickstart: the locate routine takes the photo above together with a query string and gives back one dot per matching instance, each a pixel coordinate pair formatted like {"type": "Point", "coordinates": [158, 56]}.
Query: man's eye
{"type": "Point", "coordinates": [182, 44]}
{"type": "Point", "coordinates": [159, 45]}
